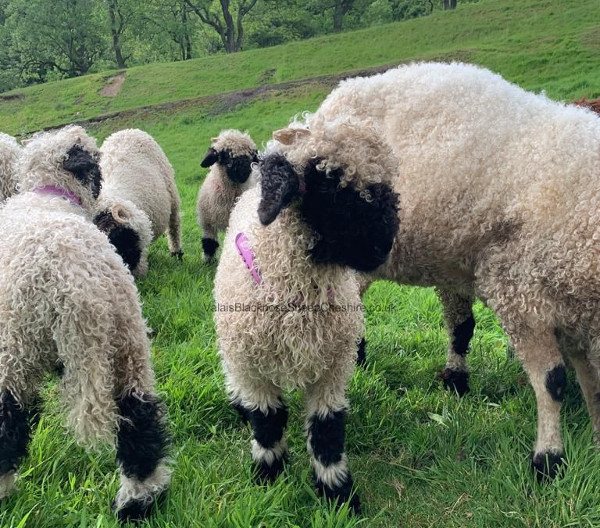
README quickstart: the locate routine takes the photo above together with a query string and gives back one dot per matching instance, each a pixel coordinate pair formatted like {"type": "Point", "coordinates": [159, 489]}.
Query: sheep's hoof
{"type": "Point", "coordinates": [455, 380]}
{"type": "Point", "coordinates": [547, 465]}
{"type": "Point", "coordinates": [136, 510]}
{"type": "Point", "coordinates": [340, 495]}
{"type": "Point", "coordinates": [361, 357]}
{"type": "Point", "coordinates": [265, 473]}
{"type": "Point", "coordinates": [8, 483]}
{"type": "Point", "coordinates": [177, 254]}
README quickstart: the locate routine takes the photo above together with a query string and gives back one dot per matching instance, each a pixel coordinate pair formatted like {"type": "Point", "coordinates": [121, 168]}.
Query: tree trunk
{"type": "Point", "coordinates": [450, 4]}
{"type": "Point", "coordinates": [115, 35]}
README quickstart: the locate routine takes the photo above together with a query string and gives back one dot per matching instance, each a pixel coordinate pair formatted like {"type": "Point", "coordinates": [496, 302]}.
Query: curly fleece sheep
{"type": "Point", "coordinates": [9, 155]}
{"type": "Point", "coordinates": [139, 199]}
{"type": "Point", "coordinates": [500, 191]}
{"type": "Point", "coordinates": [66, 297]}
{"type": "Point", "coordinates": [230, 157]}
{"type": "Point", "coordinates": [287, 299]}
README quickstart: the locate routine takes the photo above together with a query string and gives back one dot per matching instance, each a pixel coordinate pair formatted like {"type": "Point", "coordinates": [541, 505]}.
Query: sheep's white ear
{"type": "Point", "coordinates": [288, 136]}
{"type": "Point", "coordinates": [120, 214]}
{"type": "Point", "coordinates": [213, 139]}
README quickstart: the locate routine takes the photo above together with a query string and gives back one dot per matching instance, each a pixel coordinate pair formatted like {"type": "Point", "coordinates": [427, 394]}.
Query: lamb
{"type": "Point", "coordinates": [9, 155]}
{"type": "Point", "coordinates": [230, 157]}
{"type": "Point", "coordinates": [139, 199]}
{"type": "Point", "coordinates": [66, 297]}
{"type": "Point", "coordinates": [287, 301]}
{"type": "Point", "coordinates": [500, 198]}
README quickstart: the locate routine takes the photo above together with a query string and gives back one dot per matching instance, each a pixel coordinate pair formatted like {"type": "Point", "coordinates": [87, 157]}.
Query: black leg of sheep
{"type": "Point", "coordinates": [142, 443]}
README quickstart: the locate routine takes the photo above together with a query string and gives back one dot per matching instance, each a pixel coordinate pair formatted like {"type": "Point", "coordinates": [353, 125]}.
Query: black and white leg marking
{"type": "Point", "coordinates": [14, 437]}
{"type": "Point", "coordinates": [142, 443]}
{"type": "Point", "coordinates": [269, 448]}
{"type": "Point", "coordinates": [326, 444]}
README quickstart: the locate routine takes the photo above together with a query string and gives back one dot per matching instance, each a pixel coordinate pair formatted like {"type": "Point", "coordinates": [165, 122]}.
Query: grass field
{"type": "Point", "coordinates": [420, 456]}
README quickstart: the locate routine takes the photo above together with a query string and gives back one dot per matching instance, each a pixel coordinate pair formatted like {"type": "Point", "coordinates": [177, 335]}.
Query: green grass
{"type": "Point", "coordinates": [420, 456]}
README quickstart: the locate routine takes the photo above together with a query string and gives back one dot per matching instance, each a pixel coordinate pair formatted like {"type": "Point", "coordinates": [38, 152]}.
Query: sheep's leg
{"type": "Point", "coordinates": [587, 377]}
{"type": "Point", "coordinates": [325, 426]}
{"type": "Point", "coordinates": [460, 324]}
{"type": "Point", "coordinates": [210, 242]}
{"type": "Point", "coordinates": [15, 430]}
{"type": "Point", "coordinates": [174, 231]}
{"type": "Point", "coordinates": [544, 365]}
{"type": "Point", "coordinates": [142, 443]}
{"type": "Point", "coordinates": [364, 281]}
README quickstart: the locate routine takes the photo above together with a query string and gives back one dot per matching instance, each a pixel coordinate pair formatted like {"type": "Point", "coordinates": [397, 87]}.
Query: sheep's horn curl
{"type": "Point", "coordinates": [120, 214]}
{"type": "Point", "coordinates": [287, 136]}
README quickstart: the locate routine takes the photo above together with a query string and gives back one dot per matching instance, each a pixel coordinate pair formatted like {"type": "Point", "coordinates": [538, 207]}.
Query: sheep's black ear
{"type": "Point", "coordinates": [279, 185]}
{"type": "Point", "coordinates": [212, 156]}
{"type": "Point", "coordinates": [255, 157]}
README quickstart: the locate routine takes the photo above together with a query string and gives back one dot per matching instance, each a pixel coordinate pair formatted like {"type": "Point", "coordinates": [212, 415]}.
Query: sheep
{"type": "Point", "coordinates": [66, 297]}
{"type": "Point", "coordinates": [139, 199]}
{"type": "Point", "coordinates": [9, 155]}
{"type": "Point", "coordinates": [287, 303]}
{"type": "Point", "coordinates": [230, 157]}
{"type": "Point", "coordinates": [500, 198]}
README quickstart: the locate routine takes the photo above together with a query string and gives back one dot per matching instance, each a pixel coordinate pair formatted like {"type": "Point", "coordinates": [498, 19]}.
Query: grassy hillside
{"type": "Point", "coordinates": [541, 44]}
{"type": "Point", "coordinates": [421, 457]}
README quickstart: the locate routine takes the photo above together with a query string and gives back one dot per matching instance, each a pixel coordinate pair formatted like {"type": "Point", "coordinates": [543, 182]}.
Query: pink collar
{"type": "Point", "coordinates": [243, 246]}
{"type": "Point", "coordinates": [59, 191]}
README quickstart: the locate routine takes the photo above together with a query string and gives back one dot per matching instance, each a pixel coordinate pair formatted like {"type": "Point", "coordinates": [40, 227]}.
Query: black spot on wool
{"type": "Point", "coordinates": [14, 432]}
{"type": "Point", "coordinates": [352, 231]}
{"type": "Point", "coordinates": [142, 439]}
{"type": "Point", "coordinates": [556, 381]}
{"type": "Point", "coordinates": [327, 437]}
{"type": "Point", "coordinates": [209, 246]}
{"type": "Point", "coordinates": [279, 185]}
{"type": "Point", "coordinates": [268, 428]}
{"type": "Point", "coordinates": [462, 334]}
{"type": "Point", "coordinates": [125, 239]}
{"type": "Point", "coordinates": [85, 168]}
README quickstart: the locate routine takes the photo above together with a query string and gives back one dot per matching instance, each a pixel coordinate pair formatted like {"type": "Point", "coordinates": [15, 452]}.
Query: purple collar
{"type": "Point", "coordinates": [59, 191]}
{"type": "Point", "coordinates": [243, 246]}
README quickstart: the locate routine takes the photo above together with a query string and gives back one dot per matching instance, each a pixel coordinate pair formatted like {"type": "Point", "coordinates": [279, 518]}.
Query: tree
{"type": "Point", "coordinates": [118, 22]}
{"type": "Point", "coordinates": [231, 32]}
{"type": "Point", "coordinates": [450, 4]}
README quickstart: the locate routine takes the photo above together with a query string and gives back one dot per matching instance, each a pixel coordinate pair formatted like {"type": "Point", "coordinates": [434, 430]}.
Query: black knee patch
{"type": "Point", "coordinates": [462, 334]}
{"type": "Point", "coordinates": [327, 437]}
{"type": "Point", "coordinates": [268, 428]}
{"type": "Point", "coordinates": [14, 432]}
{"type": "Point", "coordinates": [455, 380]}
{"type": "Point", "coordinates": [340, 494]}
{"type": "Point", "coordinates": [209, 246]}
{"type": "Point", "coordinates": [556, 381]}
{"type": "Point", "coordinates": [361, 356]}
{"type": "Point", "coordinates": [142, 439]}
{"type": "Point", "coordinates": [547, 465]}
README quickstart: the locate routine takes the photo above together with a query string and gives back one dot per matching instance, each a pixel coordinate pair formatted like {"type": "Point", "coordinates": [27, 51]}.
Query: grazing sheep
{"type": "Point", "coordinates": [500, 191]}
{"type": "Point", "coordinates": [230, 157]}
{"type": "Point", "coordinates": [287, 299]}
{"type": "Point", "coordinates": [66, 297]}
{"type": "Point", "coordinates": [139, 199]}
{"type": "Point", "coordinates": [9, 155]}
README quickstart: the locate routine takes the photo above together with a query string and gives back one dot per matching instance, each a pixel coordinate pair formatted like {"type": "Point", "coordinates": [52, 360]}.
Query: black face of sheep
{"type": "Point", "coordinates": [237, 168]}
{"type": "Point", "coordinates": [354, 229]}
{"type": "Point", "coordinates": [84, 166]}
{"type": "Point", "coordinates": [125, 239]}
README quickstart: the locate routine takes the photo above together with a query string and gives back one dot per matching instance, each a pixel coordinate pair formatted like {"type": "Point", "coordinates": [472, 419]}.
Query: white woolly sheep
{"type": "Point", "coordinates": [139, 199]}
{"type": "Point", "coordinates": [500, 191]}
{"type": "Point", "coordinates": [67, 298]}
{"type": "Point", "coordinates": [230, 157]}
{"type": "Point", "coordinates": [9, 155]}
{"type": "Point", "coordinates": [286, 296]}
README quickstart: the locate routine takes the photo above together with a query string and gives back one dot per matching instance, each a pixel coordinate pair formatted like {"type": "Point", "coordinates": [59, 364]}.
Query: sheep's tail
{"type": "Point", "coordinates": [88, 378]}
